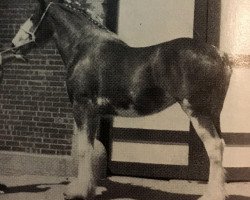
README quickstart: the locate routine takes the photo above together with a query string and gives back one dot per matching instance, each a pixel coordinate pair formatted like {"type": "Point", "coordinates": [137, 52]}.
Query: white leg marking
{"type": "Point", "coordinates": [85, 183]}
{"type": "Point", "coordinates": [214, 147]}
{"type": "Point", "coordinates": [85, 170]}
{"type": "Point", "coordinates": [102, 101]}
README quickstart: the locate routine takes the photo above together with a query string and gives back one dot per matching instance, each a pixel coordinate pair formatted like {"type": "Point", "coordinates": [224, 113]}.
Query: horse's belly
{"type": "Point", "coordinates": [142, 105]}
{"type": "Point", "coordinates": [107, 107]}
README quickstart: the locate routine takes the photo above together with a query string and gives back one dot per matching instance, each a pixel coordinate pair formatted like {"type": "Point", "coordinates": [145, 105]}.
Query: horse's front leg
{"type": "Point", "coordinates": [87, 125]}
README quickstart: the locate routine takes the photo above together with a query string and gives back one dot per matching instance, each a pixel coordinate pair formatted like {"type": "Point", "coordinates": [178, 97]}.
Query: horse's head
{"type": "Point", "coordinates": [36, 29]}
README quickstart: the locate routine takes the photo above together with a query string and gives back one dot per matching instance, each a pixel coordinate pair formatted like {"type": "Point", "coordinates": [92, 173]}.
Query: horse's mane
{"type": "Point", "coordinates": [82, 7]}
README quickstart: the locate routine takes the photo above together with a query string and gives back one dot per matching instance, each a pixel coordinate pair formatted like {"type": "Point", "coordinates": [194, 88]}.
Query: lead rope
{"type": "Point", "coordinates": [44, 13]}
{"type": "Point", "coordinates": [30, 33]}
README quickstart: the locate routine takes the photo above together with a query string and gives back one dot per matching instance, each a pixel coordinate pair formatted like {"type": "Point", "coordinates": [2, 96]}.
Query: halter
{"type": "Point", "coordinates": [85, 12]}
{"type": "Point", "coordinates": [32, 34]}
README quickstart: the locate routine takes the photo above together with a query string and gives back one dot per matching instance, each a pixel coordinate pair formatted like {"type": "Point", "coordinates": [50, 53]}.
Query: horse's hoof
{"type": "Point", "coordinates": [77, 191]}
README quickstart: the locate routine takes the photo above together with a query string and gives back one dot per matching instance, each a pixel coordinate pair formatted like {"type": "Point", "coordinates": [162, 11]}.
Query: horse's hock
{"type": "Point", "coordinates": [35, 114]}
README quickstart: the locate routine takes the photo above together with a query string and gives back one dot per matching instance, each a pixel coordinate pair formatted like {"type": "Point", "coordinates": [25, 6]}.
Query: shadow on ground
{"type": "Point", "coordinates": [116, 191]}
{"type": "Point", "coordinates": [32, 188]}
{"type": "Point", "coordinates": [127, 191]}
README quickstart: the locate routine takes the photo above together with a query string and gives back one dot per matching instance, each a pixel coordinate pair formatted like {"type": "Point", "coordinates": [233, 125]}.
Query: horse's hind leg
{"type": "Point", "coordinates": [87, 124]}
{"type": "Point", "coordinates": [207, 128]}
{"type": "Point", "coordinates": [214, 146]}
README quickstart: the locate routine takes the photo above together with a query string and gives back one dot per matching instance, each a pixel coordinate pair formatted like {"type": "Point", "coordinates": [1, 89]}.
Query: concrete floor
{"type": "Point", "coordinates": [115, 188]}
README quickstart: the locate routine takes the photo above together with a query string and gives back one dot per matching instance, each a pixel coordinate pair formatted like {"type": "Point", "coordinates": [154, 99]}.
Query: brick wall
{"type": "Point", "coordinates": [35, 113]}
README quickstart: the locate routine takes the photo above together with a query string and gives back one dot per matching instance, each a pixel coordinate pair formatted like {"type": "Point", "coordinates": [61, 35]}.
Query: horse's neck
{"type": "Point", "coordinates": [68, 41]}
{"type": "Point", "coordinates": [71, 47]}
{"type": "Point", "coordinates": [70, 32]}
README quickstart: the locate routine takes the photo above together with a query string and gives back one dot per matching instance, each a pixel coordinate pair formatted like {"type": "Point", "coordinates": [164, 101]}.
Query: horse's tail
{"type": "Point", "coordinates": [228, 59]}
{"type": "Point", "coordinates": [228, 62]}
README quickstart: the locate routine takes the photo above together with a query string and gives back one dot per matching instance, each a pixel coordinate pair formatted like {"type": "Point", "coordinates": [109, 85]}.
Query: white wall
{"type": "Point", "coordinates": [235, 26]}
{"type": "Point", "coordinates": [147, 22]}
{"type": "Point", "coordinates": [235, 115]}
{"type": "Point", "coordinates": [235, 39]}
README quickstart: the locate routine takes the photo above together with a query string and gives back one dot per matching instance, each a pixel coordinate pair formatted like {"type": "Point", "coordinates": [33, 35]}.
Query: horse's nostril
{"type": "Point", "coordinates": [12, 45]}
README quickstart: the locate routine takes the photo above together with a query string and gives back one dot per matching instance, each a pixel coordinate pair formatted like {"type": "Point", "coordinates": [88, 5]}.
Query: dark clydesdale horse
{"type": "Point", "coordinates": [105, 76]}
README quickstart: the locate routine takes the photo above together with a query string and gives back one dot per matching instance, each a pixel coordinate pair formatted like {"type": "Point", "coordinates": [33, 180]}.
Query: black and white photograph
{"type": "Point", "coordinates": [124, 99]}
